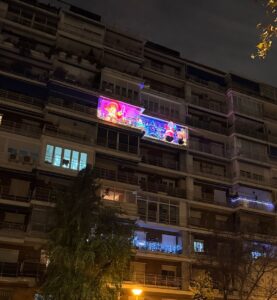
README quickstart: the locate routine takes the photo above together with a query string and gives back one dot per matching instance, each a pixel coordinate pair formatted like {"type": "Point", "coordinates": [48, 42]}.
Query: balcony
{"type": "Point", "coordinates": [208, 103]}
{"type": "Point", "coordinates": [23, 70]}
{"type": "Point", "coordinates": [210, 172]}
{"type": "Point", "coordinates": [82, 32]}
{"type": "Point", "coordinates": [44, 194]}
{"type": "Point", "coordinates": [112, 175]}
{"type": "Point", "coordinates": [159, 162]}
{"type": "Point", "coordinates": [5, 194]}
{"type": "Point", "coordinates": [208, 148]}
{"type": "Point", "coordinates": [251, 202]}
{"type": "Point", "coordinates": [12, 226]}
{"type": "Point", "coordinates": [30, 22]}
{"type": "Point", "coordinates": [117, 146]}
{"type": "Point", "coordinates": [258, 228]}
{"type": "Point", "coordinates": [71, 106]}
{"type": "Point", "coordinates": [207, 125]}
{"type": "Point", "coordinates": [210, 224]}
{"type": "Point", "coordinates": [156, 247]}
{"type": "Point", "coordinates": [247, 130]}
{"type": "Point", "coordinates": [11, 97]}
{"type": "Point", "coordinates": [20, 128]}
{"type": "Point", "coordinates": [163, 188]}
{"type": "Point", "coordinates": [155, 280]}
{"type": "Point", "coordinates": [24, 269]}
{"type": "Point", "coordinates": [255, 155]}
{"type": "Point", "coordinates": [67, 134]}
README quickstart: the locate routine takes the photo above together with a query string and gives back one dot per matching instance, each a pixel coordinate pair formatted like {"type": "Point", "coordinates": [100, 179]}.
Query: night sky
{"type": "Point", "coordinates": [217, 33]}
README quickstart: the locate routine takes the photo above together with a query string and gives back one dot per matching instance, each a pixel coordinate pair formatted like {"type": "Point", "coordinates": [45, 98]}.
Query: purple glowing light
{"type": "Point", "coordinates": [253, 202]}
{"type": "Point", "coordinates": [118, 112]}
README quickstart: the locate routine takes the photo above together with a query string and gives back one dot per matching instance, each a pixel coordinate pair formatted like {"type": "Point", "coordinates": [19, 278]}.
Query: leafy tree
{"type": "Point", "coordinates": [240, 265]}
{"type": "Point", "coordinates": [268, 29]}
{"type": "Point", "coordinates": [90, 246]}
{"type": "Point", "coordinates": [202, 287]}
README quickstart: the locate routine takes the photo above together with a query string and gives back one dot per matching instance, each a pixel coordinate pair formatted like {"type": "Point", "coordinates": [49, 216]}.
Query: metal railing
{"type": "Point", "coordinates": [5, 194]}
{"type": "Point", "coordinates": [12, 226]}
{"type": "Point", "coordinates": [124, 177]}
{"type": "Point", "coordinates": [20, 128]}
{"type": "Point", "coordinates": [248, 130]}
{"type": "Point", "coordinates": [67, 134]}
{"type": "Point", "coordinates": [155, 280]}
{"type": "Point", "coordinates": [72, 106]}
{"type": "Point", "coordinates": [24, 269]}
{"type": "Point", "coordinates": [163, 188]}
{"type": "Point", "coordinates": [170, 164]}
{"type": "Point", "coordinates": [20, 98]}
{"type": "Point", "coordinates": [31, 23]}
{"type": "Point", "coordinates": [208, 103]}
{"type": "Point", "coordinates": [207, 148]}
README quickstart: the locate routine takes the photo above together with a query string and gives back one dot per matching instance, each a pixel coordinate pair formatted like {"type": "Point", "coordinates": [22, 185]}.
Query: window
{"type": "Point", "coordinates": [198, 246]}
{"type": "Point", "coordinates": [65, 158]}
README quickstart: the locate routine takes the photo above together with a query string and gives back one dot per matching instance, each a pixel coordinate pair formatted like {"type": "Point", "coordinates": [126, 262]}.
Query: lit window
{"type": "Point", "coordinates": [74, 160]}
{"type": "Point", "coordinates": [198, 246]}
{"type": "Point", "coordinates": [57, 156]}
{"type": "Point", "coordinates": [65, 158]}
{"type": "Point", "coordinates": [49, 153]}
{"type": "Point", "coordinates": [83, 161]}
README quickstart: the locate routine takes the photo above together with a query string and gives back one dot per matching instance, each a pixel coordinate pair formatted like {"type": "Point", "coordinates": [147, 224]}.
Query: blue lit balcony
{"type": "Point", "coordinates": [251, 202]}
{"type": "Point", "coordinates": [157, 246]}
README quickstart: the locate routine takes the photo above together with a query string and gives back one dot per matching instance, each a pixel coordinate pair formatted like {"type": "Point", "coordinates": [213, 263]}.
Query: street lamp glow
{"type": "Point", "coordinates": [136, 292]}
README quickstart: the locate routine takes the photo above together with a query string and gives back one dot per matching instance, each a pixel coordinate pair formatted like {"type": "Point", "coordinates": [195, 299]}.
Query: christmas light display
{"type": "Point", "coordinates": [156, 246]}
{"type": "Point", "coordinates": [164, 131]}
{"type": "Point", "coordinates": [252, 203]}
{"type": "Point", "coordinates": [129, 115]}
{"type": "Point", "coordinates": [118, 112]}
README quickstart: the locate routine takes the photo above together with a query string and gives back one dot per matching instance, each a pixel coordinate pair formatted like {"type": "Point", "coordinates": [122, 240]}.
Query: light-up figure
{"type": "Point", "coordinates": [181, 136]}
{"type": "Point", "coordinates": [114, 112]}
{"type": "Point", "coordinates": [169, 132]}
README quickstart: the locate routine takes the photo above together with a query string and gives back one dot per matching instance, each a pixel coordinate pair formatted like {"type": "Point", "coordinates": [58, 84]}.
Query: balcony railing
{"type": "Point", "coordinates": [170, 164]}
{"type": "Point", "coordinates": [117, 146]}
{"type": "Point", "coordinates": [67, 134]}
{"type": "Point", "coordinates": [20, 128]}
{"type": "Point", "coordinates": [44, 194]}
{"type": "Point", "coordinates": [257, 228]}
{"type": "Point", "coordinates": [9, 96]}
{"type": "Point", "coordinates": [124, 177]}
{"type": "Point", "coordinates": [248, 130]}
{"type": "Point", "coordinates": [207, 125]}
{"type": "Point", "coordinates": [72, 106]}
{"type": "Point", "coordinates": [155, 280]}
{"type": "Point", "coordinates": [31, 23]}
{"type": "Point", "coordinates": [210, 224]}
{"type": "Point", "coordinates": [5, 194]}
{"type": "Point", "coordinates": [82, 32]}
{"type": "Point", "coordinates": [24, 269]}
{"type": "Point", "coordinates": [208, 103]}
{"type": "Point", "coordinates": [208, 148]}
{"type": "Point", "coordinates": [163, 188]}
{"type": "Point", "coordinates": [255, 155]}
{"type": "Point", "coordinates": [156, 246]}
{"type": "Point", "coordinates": [12, 226]}
{"type": "Point", "coordinates": [210, 172]}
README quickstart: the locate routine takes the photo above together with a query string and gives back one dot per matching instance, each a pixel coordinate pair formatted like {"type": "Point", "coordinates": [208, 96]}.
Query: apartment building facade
{"type": "Point", "coordinates": [189, 150]}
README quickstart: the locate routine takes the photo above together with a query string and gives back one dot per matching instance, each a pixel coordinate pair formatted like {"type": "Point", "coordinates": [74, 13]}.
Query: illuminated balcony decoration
{"type": "Point", "coordinates": [129, 115]}
{"type": "Point", "coordinates": [155, 246]}
{"type": "Point", "coordinates": [164, 131]}
{"type": "Point", "coordinates": [118, 112]}
{"type": "Point", "coordinates": [251, 202]}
